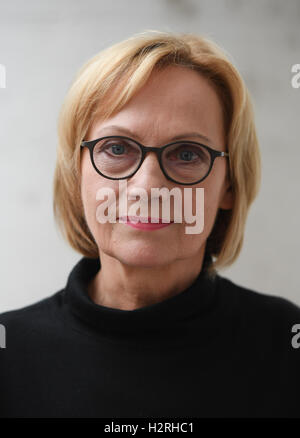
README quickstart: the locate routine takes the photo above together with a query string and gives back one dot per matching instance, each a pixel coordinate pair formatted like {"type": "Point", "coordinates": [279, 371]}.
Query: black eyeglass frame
{"type": "Point", "coordinates": [158, 151]}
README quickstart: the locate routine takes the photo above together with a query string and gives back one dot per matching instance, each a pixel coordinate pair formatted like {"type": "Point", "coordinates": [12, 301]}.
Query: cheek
{"type": "Point", "coordinates": [209, 205]}
{"type": "Point", "coordinates": [88, 196]}
{"type": "Point", "coordinates": [87, 182]}
{"type": "Point", "coordinates": [210, 202]}
{"type": "Point", "coordinates": [91, 183]}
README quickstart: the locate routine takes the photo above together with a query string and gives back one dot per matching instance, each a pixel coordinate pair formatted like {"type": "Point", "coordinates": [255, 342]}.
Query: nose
{"type": "Point", "coordinates": [149, 174]}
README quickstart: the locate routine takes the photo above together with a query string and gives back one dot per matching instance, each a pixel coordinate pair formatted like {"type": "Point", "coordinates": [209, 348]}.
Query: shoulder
{"type": "Point", "coordinates": [274, 319]}
{"type": "Point", "coordinates": [259, 302]}
{"type": "Point", "coordinates": [32, 318]}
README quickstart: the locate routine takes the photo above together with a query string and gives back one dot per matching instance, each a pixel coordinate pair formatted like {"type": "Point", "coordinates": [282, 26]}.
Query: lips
{"type": "Point", "coordinates": [138, 219]}
{"type": "Point", "coordinates": [137, 222]}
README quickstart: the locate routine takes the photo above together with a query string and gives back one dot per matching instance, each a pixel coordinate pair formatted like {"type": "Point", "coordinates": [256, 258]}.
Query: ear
{"type": "Point", "coordinates": [227, 198]}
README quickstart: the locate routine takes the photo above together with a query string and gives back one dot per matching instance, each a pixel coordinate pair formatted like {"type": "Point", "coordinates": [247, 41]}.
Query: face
{"type": "Point", "coordinates": [173, 102]}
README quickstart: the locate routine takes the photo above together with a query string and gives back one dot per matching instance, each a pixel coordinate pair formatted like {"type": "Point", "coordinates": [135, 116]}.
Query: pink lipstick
{"type": "Point", "coordinates": [134, 222]}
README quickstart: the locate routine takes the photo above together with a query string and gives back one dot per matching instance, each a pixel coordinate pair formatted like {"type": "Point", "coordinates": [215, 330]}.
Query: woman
{"type": "Point", "coordinates": [146, 326]}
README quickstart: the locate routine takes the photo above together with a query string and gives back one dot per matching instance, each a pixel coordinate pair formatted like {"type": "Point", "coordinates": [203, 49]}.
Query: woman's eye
{"type": "Point", "coordinates": [183, 155]}
{"type": "Point", "coordinates": [187, 155]}
{"type": "Point", "coordinates": [117, 149]}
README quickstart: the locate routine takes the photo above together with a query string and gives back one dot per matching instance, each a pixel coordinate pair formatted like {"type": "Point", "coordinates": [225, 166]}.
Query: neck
{"type": "Point", "coordinates": [125, 287]}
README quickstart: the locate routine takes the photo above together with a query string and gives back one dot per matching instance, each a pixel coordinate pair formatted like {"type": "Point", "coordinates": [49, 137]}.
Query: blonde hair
{"type": "Point", "coordinates": [108, 81]}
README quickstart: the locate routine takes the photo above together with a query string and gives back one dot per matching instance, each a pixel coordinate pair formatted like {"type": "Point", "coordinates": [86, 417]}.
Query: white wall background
{"type": "Point", "coordinates": [44, 43]}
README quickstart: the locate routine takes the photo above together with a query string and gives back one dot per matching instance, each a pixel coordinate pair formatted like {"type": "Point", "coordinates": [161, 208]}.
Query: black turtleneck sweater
{"type": "Point", "coordinates": [214, 350]}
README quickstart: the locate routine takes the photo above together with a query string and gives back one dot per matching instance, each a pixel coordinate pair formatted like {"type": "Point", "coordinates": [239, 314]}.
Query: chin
{"type": "Point", "coordinates": [143, 255]}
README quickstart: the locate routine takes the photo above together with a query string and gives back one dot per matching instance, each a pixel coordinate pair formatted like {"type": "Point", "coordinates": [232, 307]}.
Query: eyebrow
{"type": "Point", "coordinates": [132, 134]}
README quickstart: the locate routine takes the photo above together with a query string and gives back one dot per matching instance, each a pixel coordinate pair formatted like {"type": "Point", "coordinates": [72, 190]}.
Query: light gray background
{"type": "Point", "coordinates": [44, 43]}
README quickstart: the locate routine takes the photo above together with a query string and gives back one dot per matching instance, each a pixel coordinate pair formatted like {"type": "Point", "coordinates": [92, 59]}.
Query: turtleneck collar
{"type": "Point", "coordinates": [170, 313]}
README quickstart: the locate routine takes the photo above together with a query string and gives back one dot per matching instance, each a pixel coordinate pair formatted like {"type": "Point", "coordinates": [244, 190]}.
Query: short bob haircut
{"type": "Point", "coordinates": [108, 81]}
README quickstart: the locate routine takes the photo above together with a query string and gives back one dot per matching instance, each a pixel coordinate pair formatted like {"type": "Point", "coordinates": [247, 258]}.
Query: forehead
{"type": "Point", "coordinates": [173, 100]}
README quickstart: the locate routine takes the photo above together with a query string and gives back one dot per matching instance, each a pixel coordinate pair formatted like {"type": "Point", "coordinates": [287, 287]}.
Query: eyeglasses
{"type": "Point", "coordinates": [183, 162]}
